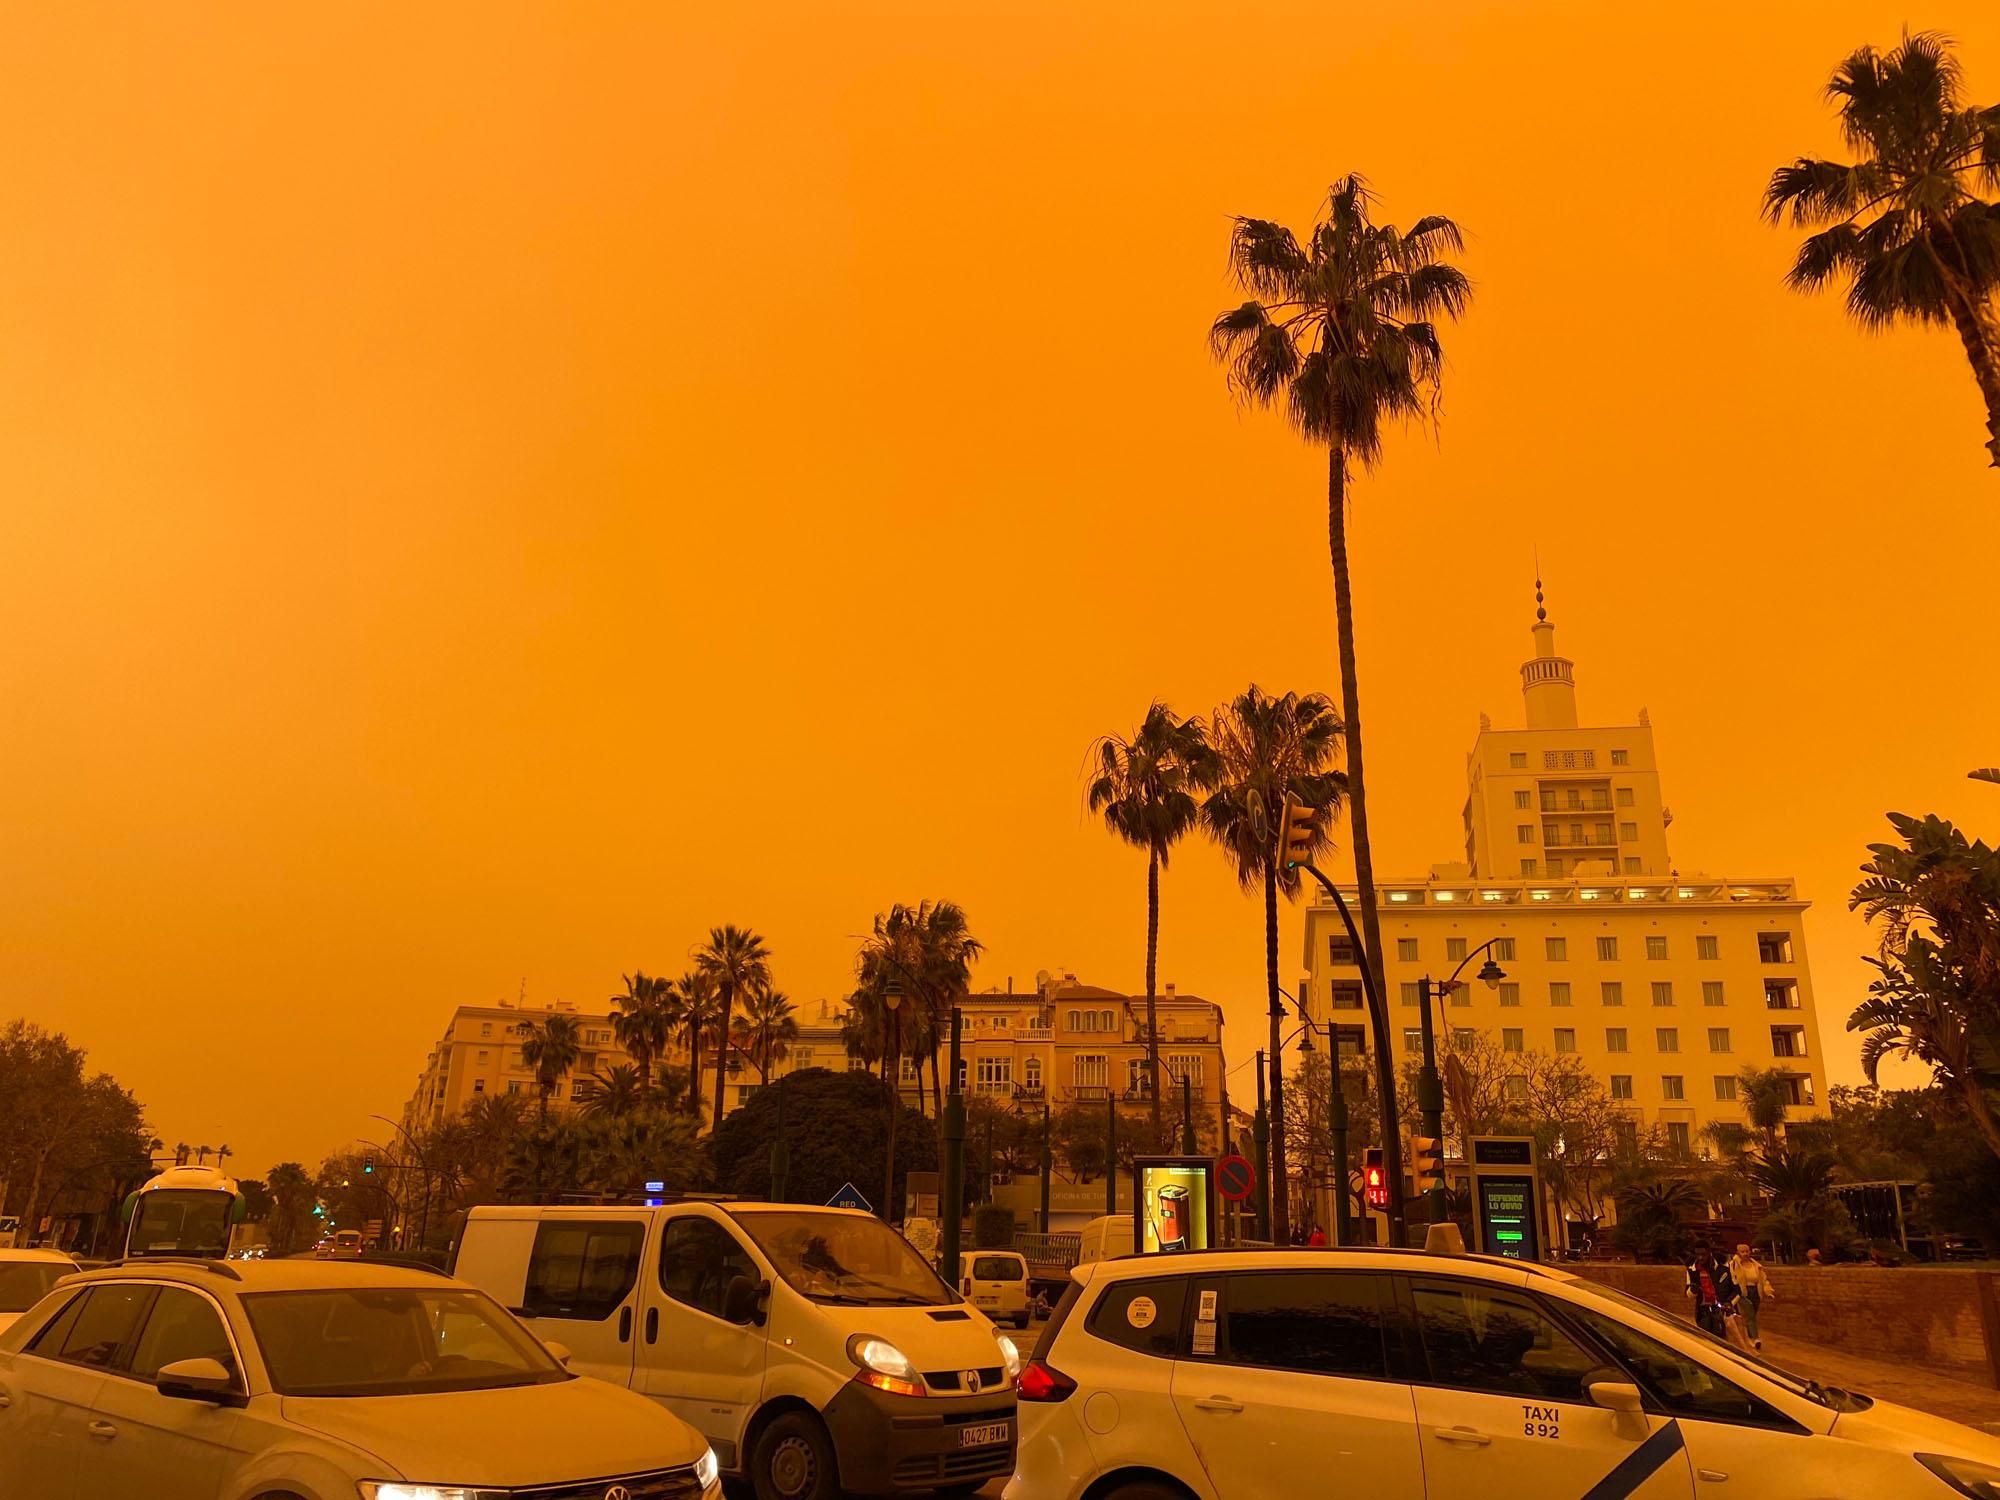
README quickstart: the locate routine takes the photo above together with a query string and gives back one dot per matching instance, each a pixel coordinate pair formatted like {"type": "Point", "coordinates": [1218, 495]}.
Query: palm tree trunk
{"type": "Point", "coordinates": [1979, 331]}
{"type": "Point", "coordinates": [1981, 1109]}
{"type": "Point", "coordinates": [1357, 817]}
{"type": "Point", "coordinates": [694, 1071]}
{"type": "Point", "coordinates": [722, 1053]}
{"type": "Point", "coordinates": [1280, 1189]}
{"type": "Point", "coordinates": [1152, 1009]}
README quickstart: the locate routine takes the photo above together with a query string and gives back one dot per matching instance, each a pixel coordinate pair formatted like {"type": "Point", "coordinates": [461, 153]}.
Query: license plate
{"type": "Point", "coordinates": [984, 1433]}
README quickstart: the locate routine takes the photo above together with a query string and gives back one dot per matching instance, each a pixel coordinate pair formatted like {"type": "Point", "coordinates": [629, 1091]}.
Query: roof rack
{"type": "Point", "coordinates": [199, 1262]}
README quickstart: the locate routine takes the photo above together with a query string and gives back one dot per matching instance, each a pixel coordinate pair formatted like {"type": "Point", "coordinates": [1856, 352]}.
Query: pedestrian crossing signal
{"type": "Point", "coordinates": [1375, 1183]}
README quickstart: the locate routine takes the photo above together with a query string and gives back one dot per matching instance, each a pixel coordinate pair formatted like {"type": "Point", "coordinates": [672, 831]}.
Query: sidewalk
{"type": "Point", "coordinates": [1906, 1385]}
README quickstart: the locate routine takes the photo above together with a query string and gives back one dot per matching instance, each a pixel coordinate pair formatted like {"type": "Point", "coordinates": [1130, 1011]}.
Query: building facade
{"type": "Point", "coordinates": [1666, 984]}
{"type": "Point", "coordinates": [480, 1053]}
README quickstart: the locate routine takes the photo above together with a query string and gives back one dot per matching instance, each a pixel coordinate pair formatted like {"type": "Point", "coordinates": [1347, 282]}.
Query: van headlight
{"type": "Point", "coordinates": [382, 1489]}
{"type": "Point", "coordinates": [1980, 1481]}
{"type": "Point", "coordinates": [1010, 1356]}
{"type": "Point", "coordinates": [707, 1472]}
{"type": "Point", "coordinates": [884, 1366]}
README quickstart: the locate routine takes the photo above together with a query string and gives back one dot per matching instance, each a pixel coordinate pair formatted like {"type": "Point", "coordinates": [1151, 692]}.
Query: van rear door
{"type": "Point", "coordinates": [581, 1289]}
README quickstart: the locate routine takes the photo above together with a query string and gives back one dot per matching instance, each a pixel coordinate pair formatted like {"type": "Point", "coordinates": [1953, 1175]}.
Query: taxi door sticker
{"type": "Point", "coordinates": [1540, 1421]}
{"type": "Point", "coordinates": [1638, 1466]}
{"type": "Point", "coordinates": [1204, 1325]}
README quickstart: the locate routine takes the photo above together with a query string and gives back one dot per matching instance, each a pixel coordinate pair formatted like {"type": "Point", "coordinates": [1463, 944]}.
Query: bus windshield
{"type": "Point", "coordinates": [181, 1222]}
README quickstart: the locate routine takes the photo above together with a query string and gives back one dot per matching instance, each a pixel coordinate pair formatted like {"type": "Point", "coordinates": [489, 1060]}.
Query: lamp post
{"type": "Point", "coordinates": [781, 1151]}
{"type": "Point", "coordinates": [951, 1203]}
{"type": "Point", "coordinates": [892, 1001]}
{"type": "Point", "coordinates": [1336, 1118]}
{"type": "Point", "coordinates": [1430, 1088]}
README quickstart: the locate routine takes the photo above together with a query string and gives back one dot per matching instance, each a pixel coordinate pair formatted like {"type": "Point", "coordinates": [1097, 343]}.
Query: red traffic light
{"type": "Point", "coordinates": [1375, 1183]}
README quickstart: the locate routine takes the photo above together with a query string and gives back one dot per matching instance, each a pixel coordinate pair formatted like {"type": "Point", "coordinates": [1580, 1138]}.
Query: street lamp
{"type": "Point", "coordinates": [1336, 1112]}
{"type": "Point", "coordinates": [892, 1002]}
{"type": "Point", "coordinates": [1430, 1088]}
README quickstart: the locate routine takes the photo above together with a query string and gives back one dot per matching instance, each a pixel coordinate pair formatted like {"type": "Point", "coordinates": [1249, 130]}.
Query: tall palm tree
{"type": "Point", "coordinates": [642, 1020]}
{"type": "Point", "coordinates": [1270, 748]}
{"type": "Point", "coordinates": [695, 1003]}
{"type": "Point", "coordinates": [551, 1047]}
{"type": "Point", "coordinates": [1147, 788]}
{"type": "Point", "coordinates": [1766, 1094]}
{"type": "Point", "coordinates": [929, 950]}
{"type": "Point", "coordinates": [737, 960]}
{"type": "Point", "coordinates": [1343, 331]}
{"type": "Point", "coordinates": [614, 1091]}
{"type": "Point", "coordinates": [1904, 222]}
{"type": "Point", "coordinates": [765, 1028]}
{"type": "Point", "coordinates": [864, 1030]}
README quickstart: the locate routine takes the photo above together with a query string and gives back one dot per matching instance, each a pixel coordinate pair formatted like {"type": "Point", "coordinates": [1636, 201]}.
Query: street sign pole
{"type": "Point", "coordinates": [951, 1205]}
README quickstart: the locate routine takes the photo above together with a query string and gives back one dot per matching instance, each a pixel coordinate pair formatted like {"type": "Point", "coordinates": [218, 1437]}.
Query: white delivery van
{"type": "Point", "coordinates": [814, 1349]}
{"type": "Point", "coordinates": [1105, 1238]}
{"type": "Point", "coordinates": [997, 1283]}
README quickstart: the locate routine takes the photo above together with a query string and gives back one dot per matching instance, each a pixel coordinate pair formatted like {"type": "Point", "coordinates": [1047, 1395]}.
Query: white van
{"type": "Point", "coordinates": [1105, 1238]}
{"type": "Point", "coordinates": [812, 1347]}
{"type": "Point", "coordinates": [997, 1283]}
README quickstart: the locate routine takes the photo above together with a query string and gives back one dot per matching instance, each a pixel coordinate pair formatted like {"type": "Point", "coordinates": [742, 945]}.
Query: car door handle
{"type": "Point", "coordinates": [5, 1400]}
{"type": "Point", "coordinates": [1465, 1435]}
{"type": "Point", "coordinates": [1712, 1476]}
{"type": "Point", "coordinates": [652, 1325]}
{"type": "Point", "coordinates": [102, 1430]}
{"type": "Point", "coordinates": [625, 1325]}
{"type": "Point", "coordinates": [1217, 1403]}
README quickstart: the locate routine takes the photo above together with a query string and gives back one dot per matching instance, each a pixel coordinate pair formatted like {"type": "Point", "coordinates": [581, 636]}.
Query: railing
{"type": "Point", "coordinates": [1553, 839]}
{"type": "Point", "coordinates": [1051, 1250]}
{"type": "Point", "coordinates": [1090, 1092]}
{"type": "Point", "coordinates": [1028, 1091]}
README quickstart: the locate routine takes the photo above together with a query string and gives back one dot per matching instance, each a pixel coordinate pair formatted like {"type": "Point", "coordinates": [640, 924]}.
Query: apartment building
{"type": "Point", "coordinates": [1665, 982]}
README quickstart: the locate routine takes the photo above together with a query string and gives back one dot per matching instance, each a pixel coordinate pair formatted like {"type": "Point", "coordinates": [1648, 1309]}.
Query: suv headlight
{"type": "Point", "coordinates": [884, 1366]}
{"type": "Point", "coordinates": [1980, 1481]}
{"type": "Point", "coordinates": [382, 1489]}
{"type": "Point", "coordinates": [1010, 1356]}
{"type": "Point", "coordinates": [707, 1472]}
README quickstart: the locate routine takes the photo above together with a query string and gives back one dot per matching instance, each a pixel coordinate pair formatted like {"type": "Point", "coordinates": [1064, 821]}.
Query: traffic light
{"type": "Point", "coordinates": [1427, 1156]}
{"type": "Point", "coordinates": [368, 1166]}
{"type": "Point", "coordinates": [1301, 832]}
{"type": "Point", "coordinates": [1375, 1185]}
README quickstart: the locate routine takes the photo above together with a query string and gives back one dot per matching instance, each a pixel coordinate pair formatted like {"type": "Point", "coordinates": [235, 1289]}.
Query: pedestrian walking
{"type": "Point", "coordinates": [1713, 1291]}
{"type": "Point", "coordinates": [1753, 1285]}
{"type": "Point", "coordinates": [1317, 1238]}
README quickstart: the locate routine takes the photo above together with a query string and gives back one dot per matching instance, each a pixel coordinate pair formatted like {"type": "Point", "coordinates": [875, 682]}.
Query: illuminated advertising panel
{"type": "Point", "coordinates": [1174, 1205]}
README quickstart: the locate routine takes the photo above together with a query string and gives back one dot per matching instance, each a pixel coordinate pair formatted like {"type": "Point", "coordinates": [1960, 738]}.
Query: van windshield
{"type": "Point", "coordinates": [837, 1257]}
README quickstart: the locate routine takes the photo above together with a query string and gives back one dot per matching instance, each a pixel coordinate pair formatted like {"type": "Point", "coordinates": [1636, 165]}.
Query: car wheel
{"type": "Point", "coordinates": [1145, 1489]}
{"type": "Point", "coordinates": [793, 1460]}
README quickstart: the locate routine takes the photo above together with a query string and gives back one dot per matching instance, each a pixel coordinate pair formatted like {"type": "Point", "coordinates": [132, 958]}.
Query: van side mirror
{"type": "Point", "coordinates": [195, 1380]}
{"type": "Point", "coordinates": [1615, 1395]}
{"type": "Point", "coordinates": [740, 1299]}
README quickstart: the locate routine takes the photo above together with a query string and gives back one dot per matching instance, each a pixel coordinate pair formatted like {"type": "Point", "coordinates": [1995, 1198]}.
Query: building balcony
{"type": "Point", "coordinates": [1554, 839]}
{"type": "Point", "coordinates": [1030, 1092]}
{"type": "Point", "coordinates": [1089, 1093]}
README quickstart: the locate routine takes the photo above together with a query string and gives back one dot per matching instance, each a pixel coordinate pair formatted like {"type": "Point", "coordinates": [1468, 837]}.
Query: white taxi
{"type": "Point", "coordinates": [25, 1278]}
{"type": "Point", "coordinates": [300, 1380]}
{"type": "Point", "coordinates": [1241, 1375]}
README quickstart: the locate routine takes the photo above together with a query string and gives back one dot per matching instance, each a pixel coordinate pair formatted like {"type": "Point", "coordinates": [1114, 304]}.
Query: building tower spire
{"type": "Point", "coordinates": [1548, 683]}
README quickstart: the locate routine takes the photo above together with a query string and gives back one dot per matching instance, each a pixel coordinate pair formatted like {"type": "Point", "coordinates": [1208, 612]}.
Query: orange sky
{"type": "Point", "coordinates": [491, 491]}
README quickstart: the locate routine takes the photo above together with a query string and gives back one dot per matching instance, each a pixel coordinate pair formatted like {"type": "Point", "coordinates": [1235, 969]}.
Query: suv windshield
{"type": "Point", "coordinates": [22, 1282]}
{"type": "Point", "coordinates": [837, 1257]}
{"type": "Point", "coordinates": [393, 1341]}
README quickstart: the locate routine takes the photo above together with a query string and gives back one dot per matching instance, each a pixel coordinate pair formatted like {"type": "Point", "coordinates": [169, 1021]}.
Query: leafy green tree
{"type": "Point", "coordinates": [1267, 749]}
{"type": "Point", "coordinates": [290, 1225]}
{"type": "Point", "coordinates": [738, 963]}
{"type": "Point", "coordinates": [697, 1006]}
{"type": "Point", "coordinates": [1653, 1215]}
{"type": "Point", "coordinates": [1936, 997]}
{"type": "Point", "coordinates": [836, 1126]}
{"type": "Point", "coordinates": [1792, 1176]}
{"type": "Point", "coordinates": [1766, 1097]}
{"type": "Point", "coordinates": [643, 1021]}
{"type": "Point", "coordinates": [1148, 789]}
{"type": "Point", "coordinates": [1905, 222]}
{"type": "Point", "coordinates": [1343, 331]}
{"type": "Point", "coordinates": [617, 1090]}
{"type": "Point", "coordinates": [69, 1139]}
{"type": "Point", "coordinates": [551, 1047]}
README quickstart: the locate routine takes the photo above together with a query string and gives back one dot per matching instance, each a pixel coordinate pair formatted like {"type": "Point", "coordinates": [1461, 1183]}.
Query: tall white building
{"type": "Point", "coordinates": [1666, 982]}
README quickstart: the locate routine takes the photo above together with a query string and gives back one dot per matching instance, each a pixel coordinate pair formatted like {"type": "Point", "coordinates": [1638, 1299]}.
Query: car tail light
{"type": "Point", "coordinates": [1041, 1382]}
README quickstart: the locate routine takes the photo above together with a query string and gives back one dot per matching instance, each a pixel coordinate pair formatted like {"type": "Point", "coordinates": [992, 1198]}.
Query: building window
{"type": "Point", "coordinates": [1353, 1040]}
{"type": "Point", "coordinates": [1413, 994]}
{"type": "Point", "coordinates": [1711, 992]}
{"type": "Point", "coordinates": [1663, 992]}
{"type": "Point", "coordinates": [1614, 1039]}
{"type": "Point", "coordinates": [1511, 1039]}
{"type": "Point", "coordinates": [1725, 1088]}
{"type": "Point", "coordinates": [1619, 758]}
{"type": "Point", "coordinates": [1517, 1087]}
{"type": "Point", "coordinates": [1621, 1085]}
{"type": "Point", "coordinates": [1031, 1075]}
{"type": "Point", "coordinates": [1406, 950]}
{"type": "Point", "coordinates": [1461, 1038]}
{"type": "Point", "coordinates": [1634, 866]}
{"type": "Point", "coordinates": [1185, 1065]}
{"type": "Point", "coordinates": [1091, 1071]}
{"type": "Point", "coordinates": [1718, 1038]}
{"type": "Point", "coordinates": [1569, 760]}
{"type": "Point", "coordinates": [1555, 949]}
{"type": "Point", "coordinates": [1524, 833]}
{"type": "Point", "coordinates": [1517, 760]}
{"type": "Point", "coordinates": [999, 1023]}
{"type": "Point", "coordinates": [1135, 1078]}
{"type": "Point", "coordinates": [1672, 1086]}
{"type": "Point", "coordinates": [479, 1085]}
{"type": "Point", "coordinates": [1340, 950]}
{"type": "Point", "coordinates": [996, 1075]}
{"type": "Point", "coordinates": [1503, 950]}
{"type": "Point", "coordinates": [1667, 1039]}
{"type": "Point", "coordinates": [1347, 997]}
{"type": "Point", "coordinates": [1788, 1041]}
{"type": "Point", "coordinates": [1454, 949]}
{"type": "Point", "coordinates": [482, 1057]}
{"type": "Point", "coordinates": [1629, 832]}
{"type": "Point", "coordinates": [513, 1085]}
{"type": "Point", "coordinates": [1612, 992]}
{"type": "Point", "coordinates": [1510, 994]}
{"type": "Point", "coordinates": [1607, 950]}
{"type": "Point", "coordinates": [1461, 993]}
{"type": "Point", "coordinates": [578, 1087]}
{"type": "Point", "coordinates": [1565, 1039]}
{"type": "Point", "coordinates": [1555, 866]}
{"type": "Point", "coordinates": [1527, 867]}
{"type": "Point", "coordinates": [1774, 948]}
{"type": "Point", "coordinates": [1656, 947]}
{"type": "Point", "coordinates": [1075, 1020]}
{"type": "Point", "coordinates": [1624, 796]}
{"type": "Point", "coordinates": [486, 1028]}
{"type": "Point", "coordinates": [1559, 992]}
{"type": "Point", "coordinates": [1523, 801]}
{"type": "Point", "coordinates": [1707, 946]}
{"type": "Point", "coordinates": [1413, 1039]}
{"type": "Point", "coordinates": [1679, 1133]}
{"type": "Point", "coordinates": [1781, 994]}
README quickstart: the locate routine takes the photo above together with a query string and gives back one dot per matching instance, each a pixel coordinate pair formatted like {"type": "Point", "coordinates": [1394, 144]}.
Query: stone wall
{"type": "Point", "coordinates": [1943, 1317]}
